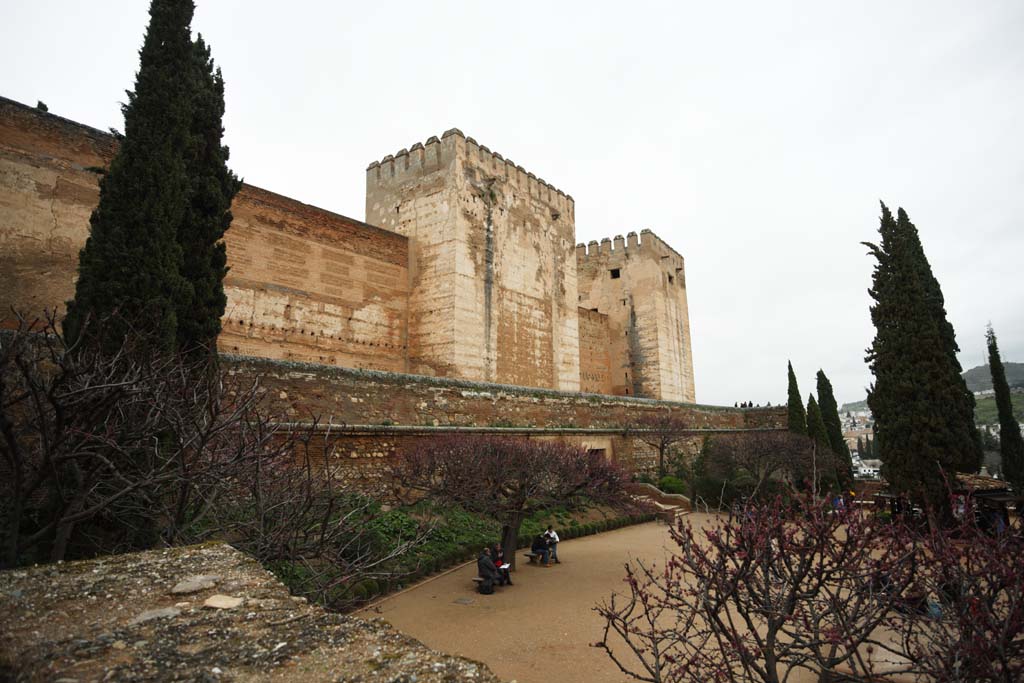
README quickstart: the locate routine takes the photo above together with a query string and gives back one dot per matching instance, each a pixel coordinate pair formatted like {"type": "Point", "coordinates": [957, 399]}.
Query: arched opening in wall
{"type": "Point", "coordinates": [603, 452]}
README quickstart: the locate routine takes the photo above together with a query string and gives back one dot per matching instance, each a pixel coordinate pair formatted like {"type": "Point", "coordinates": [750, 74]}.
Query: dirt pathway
{"type": "Point", "coordinates": [539, 629]}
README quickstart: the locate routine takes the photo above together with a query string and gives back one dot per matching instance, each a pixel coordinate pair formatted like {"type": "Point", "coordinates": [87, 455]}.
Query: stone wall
{"type": "Point", "coordinates": [304, 283]}
{"type": "Point", "coordinates": [492, 263]}
{"type": "Point", "coordinates": [381, 414]}
{"type": "Point", "coordinates": [640, 284]}
{"type": "Point", "coordinates": [595, 376]}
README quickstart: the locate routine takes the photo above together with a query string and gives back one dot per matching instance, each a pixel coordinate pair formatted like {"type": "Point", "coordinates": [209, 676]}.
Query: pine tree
{"type": "Point", "coordinates": [918, 396]}
{"type": "Point", "coordinates": [131, 262]}
{"type": "Point", "coordinates": [797, 416]}
{"type": "Point", "coordinates": [1011, 445]}
{"type": "Point", "coordinates": [208, 213]}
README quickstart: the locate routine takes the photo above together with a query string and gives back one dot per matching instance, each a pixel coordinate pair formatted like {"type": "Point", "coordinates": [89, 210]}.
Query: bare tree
{"type": "Point", "coordinates": [508, 478]}
{"type": "Point", "coordinates": [109, 451]}
{"type": "Point", "coordinates": [758, 596]}
{"type": "Point", "coordinates": [661, 431]}
{"type": "Point", "coordinates": [758, 457]}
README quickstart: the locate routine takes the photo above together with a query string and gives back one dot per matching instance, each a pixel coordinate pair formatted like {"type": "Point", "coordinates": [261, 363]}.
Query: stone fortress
{"type": "Point", "coordinates": [463, 303]}
{"type": "Point", "coordinates": [466, 267]}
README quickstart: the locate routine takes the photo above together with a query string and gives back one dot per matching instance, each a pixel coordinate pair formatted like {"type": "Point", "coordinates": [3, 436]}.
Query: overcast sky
{"type": "Point", "coordinates": [756, 138]}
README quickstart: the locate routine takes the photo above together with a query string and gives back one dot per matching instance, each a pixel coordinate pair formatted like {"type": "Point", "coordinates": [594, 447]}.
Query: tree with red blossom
{"type": "Point", "coordinates": [508, 478]}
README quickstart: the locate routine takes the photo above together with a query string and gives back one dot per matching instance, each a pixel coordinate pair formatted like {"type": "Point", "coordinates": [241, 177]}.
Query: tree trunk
{"type": "Point", "coordinates": [510, 538]}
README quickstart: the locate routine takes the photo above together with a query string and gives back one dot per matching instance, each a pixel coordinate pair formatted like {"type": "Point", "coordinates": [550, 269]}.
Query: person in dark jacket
{"type": "Point", "coordinates": [540, 547]}
{"type": "Point", "coordinates": [487, 571]}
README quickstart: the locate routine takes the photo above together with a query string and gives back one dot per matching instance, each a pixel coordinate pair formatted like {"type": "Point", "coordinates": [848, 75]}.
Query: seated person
{"type": "Point", "coordinates": [540, 547]}
{"type": "Point", "coordinates": [485, 568]}
{"type": "Point", "coordinates": [504, 577]}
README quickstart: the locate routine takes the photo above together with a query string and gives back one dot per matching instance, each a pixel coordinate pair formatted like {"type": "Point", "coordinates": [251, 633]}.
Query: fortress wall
{"type": "Point", "coordinates": [388, 413]}
{"type": "Point", "coordinates": [304, 283]}
{"type": "Point", "coordinates": [309, 285]}
{"type": "Point", "coordinates": [492, 266]}
{"type": "Point", "coordinates": [648, 317]}
{"type": "Point", "coordinates": [594, 359]}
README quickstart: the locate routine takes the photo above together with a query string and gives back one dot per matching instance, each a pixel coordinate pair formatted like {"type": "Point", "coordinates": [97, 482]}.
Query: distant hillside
{"type": "Point", "coordinates": [980, 378]}
{"type": "Point", "coordinates": [986, 413]}
{"type": "Point", "coordinates": [852, 407]}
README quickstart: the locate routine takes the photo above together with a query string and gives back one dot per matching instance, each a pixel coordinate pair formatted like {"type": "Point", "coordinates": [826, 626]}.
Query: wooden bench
{"type": "Point", "coordinates": [533, 557]}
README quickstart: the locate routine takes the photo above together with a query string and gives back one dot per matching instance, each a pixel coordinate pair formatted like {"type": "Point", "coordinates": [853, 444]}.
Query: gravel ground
{"type": "Point", "coordinates": [540, 629]}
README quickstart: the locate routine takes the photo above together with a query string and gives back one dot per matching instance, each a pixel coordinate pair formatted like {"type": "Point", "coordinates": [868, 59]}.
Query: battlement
{"type": "Point", "coordinates": [424, 158]}
{"type": "Point", "coordinates": [645, 244]}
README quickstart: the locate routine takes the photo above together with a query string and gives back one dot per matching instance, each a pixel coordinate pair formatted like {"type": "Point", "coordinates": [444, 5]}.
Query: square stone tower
{"type": "Point", "coordinates": [492, 263]}
{"type": "Point", "coordinates": [640, 284]}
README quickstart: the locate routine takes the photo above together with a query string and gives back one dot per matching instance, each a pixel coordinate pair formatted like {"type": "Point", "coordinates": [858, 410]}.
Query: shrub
{"type": "Point", "coordinates": [670, 484]}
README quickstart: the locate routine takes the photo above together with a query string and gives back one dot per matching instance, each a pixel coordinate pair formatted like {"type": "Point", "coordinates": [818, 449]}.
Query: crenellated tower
{"type": "Point", "coordinates": [492, 265]}
{"type": "Point", "coordinates": [639, 282]}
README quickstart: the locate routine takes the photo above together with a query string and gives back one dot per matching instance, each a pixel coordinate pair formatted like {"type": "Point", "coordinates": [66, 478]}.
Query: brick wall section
{"type": "Point", "coordinates": [304, 283]}
{"type": "Point", "coordinates": [594, 358]}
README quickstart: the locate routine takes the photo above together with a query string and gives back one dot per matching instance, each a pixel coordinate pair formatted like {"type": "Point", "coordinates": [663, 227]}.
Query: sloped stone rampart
{"type": "Point", "coordinates": [120, 618]}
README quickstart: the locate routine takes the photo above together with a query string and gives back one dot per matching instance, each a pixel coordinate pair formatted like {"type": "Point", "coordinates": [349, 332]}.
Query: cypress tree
{"type": "Point", "coordinates": [918, 396]}
{"type": "Point", "coordinates": [1011, 445]}
{"type": "Point", "coordinates": [208, 212]}
{"type": "Point", "coordinates": [860, 448]}
{"type": "Point", "coordinates": [830, 415]}
{"type": "Point", "coordinates": [966, 451]}
{"type": "Point", "coordinates": [819, 434]}
{"type": "Point", "coordinates": [797, 416]}
{"type": "Point", "coordinates": [131, 262]}
{"type": "Point", "coordinates": [834, 426]}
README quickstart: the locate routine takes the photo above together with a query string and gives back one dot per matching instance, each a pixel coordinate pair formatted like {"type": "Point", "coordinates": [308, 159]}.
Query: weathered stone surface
{"type": "Point", "coordinates": [79, 621]}
{"type": "Point", "coordinates": [160, 613]}
{"type": "Point", "coordinates": [194, 584]}
{"type": "Point", "coordinates": [222, 602]}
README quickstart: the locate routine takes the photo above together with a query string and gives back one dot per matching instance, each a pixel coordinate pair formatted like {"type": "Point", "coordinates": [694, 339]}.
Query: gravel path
{"type": "Point", "coordinates": [539, 629]}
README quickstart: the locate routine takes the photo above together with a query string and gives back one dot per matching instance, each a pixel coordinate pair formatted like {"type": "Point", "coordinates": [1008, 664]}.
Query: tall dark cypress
{"type": "Point", "coordinates": [797, 416]}
{"type": "Point", "coordinates": [834, 426]}
{"type": "Point", "coordinates": [830, 415]}
{"type": "Point", "coordinates": [1011, 445]}
{"type": "Point", "coordinates": [966, 449]}
{"type": "Point", "coordinates": [827, 475]}
{"type": "Point", "coordinates": [131, 262]}
{"type": "Point", "coordinates": [208, 212]}
{"type": "Point", "coordinates": [917, 394]}
{"type": "Point", "coordinates": [860, 447]}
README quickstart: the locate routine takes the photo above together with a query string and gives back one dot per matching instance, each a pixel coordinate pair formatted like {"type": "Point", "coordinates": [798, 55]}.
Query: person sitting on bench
{"type": "Point", "coordinates": [504, 577]}
{"type": "Point", "coordinates": [540, 547]}
{"type": "Point", "coordinates": [487, 571]}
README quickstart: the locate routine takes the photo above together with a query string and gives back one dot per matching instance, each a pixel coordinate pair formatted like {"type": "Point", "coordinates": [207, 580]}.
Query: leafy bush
{"type": "Point", "coordinates": [670, 484]}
